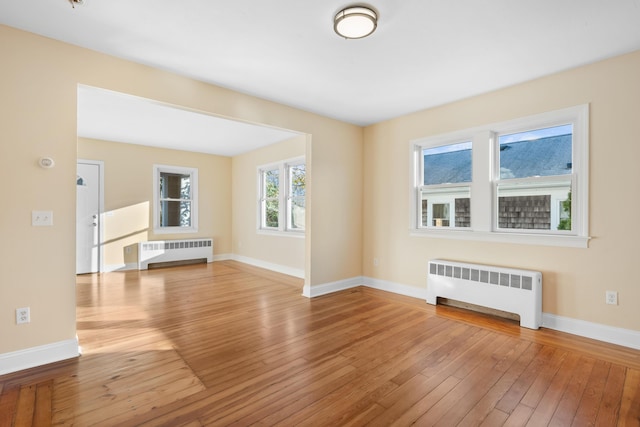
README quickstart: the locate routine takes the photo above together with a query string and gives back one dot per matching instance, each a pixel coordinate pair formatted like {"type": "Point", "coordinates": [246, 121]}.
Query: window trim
{"type": "Point", "coordinates": [284, 197]}
{"type": "Point", "coordinates": [193, 172]}
{"type": "Point", "coordinates": [483, 188]}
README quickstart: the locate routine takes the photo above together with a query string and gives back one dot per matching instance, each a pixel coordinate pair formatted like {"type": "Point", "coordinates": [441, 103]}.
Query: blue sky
{"type": "Point", "coordinates": [447, 148]}
{"type": "Point", "coordinates": [536, 134]}
{"type": "Point", "coordinates": [505, 139]}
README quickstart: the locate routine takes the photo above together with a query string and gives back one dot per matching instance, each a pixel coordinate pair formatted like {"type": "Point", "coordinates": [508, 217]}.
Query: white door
{"type": "Point", "coordinates": [87, 218]}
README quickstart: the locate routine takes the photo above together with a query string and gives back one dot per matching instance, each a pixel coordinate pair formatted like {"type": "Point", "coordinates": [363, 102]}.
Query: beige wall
{"type": "Point", "coordinates": [247, 242]}
{"type": "Point", "coordinates": [358, 192]}
{"type": "Point", "coordinates": [38, 83]}
{"type": "Point", "coordinates": [575, 280]}
{"type": "Point", "coordinates": [128, 188]}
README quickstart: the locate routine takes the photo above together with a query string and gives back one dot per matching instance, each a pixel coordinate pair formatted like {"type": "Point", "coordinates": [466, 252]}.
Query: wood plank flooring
{"type": "Point", "coordinates": [226, 344]}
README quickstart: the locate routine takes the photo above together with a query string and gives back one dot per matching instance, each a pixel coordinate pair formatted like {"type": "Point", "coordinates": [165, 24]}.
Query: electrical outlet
{"type": "Point", "coordinates": [376, 262]}
{"type": "Point", "coordinates": [611, 297]}
{"type": "Point", "coordinates": [23, 315]}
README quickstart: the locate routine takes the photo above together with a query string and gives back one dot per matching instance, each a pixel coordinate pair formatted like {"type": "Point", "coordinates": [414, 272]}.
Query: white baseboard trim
{"type": "Point", "coordinates": [134, 265]}
{"type": "Point", "coordinates": [609, 334]}
{"type": "Point", "coordinates": [328, 288]}
{"type": "Point", "coordinates": [396, 288]}
{"type": "Point", "coordinates": [119, 267]}
{"type": "Point", "coordinates": [619, 336]}
{"type": "Point", "coordinates": [36, 356]}
{"type": "Point", "coordinates": [290, 271]}
{"type": "Point", "coordinates": [596, 331]}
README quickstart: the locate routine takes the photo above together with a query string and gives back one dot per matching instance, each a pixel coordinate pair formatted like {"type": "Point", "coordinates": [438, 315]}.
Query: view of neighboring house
{"type": "Point", "coordinates": [521, 205]}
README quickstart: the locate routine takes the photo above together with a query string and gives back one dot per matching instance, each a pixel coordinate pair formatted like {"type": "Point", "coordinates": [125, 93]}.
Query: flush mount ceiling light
{"type": "Point", "coordinates": [76, 2]}
{"type": "Point", "coordinates": [355, 22]}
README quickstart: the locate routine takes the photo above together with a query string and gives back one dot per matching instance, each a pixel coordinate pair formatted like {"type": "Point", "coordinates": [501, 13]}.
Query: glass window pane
{"type": "Point", "coordinates": [297, 181]}
{"type": "Point", "coordinates": [440, 215]}
{"type": "Point", "coordinates": [463, 212]}
{"type": "Point", "coordinates": [540, 152]}
{"type": "Point", "coordinates": [532, 207]}
{"type": "Point", "coordinates": [297, 213]}
{"type": "Point", "coordinates": [271, 213]}
{"type": "Point", "coordinates": [564, 210]}
{"type": "Point", "coordinates": [447, 164]}
{"type": "Point", "coordinates": [446, 207]}
{"type": "Point", "coordinates": [175, 186]}
{"type": "Point", "coordinates": [271, 183]}
{"type": "Point", "coordinates": [424, 212]}
{"type": "Point", "coordinates": [175, 213]}
{"type": "Point", "coordinates": [296, 206]}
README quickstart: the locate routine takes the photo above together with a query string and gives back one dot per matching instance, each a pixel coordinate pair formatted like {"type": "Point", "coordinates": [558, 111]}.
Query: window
{"type": "Point", "coordinates": [175, 199]}
{"type": "Point", "coordinates": [523, 181]}
{"type": "Point", "coordinates": [296, 180]}
{"type": "Point", "coordinates": [281, 203]}
{"type": "Point", "coordinates": [271, 198]}
{"type": "Point", "coordinates": [444, 191]}
{"type": "Point", "coordinates": [535, 178]}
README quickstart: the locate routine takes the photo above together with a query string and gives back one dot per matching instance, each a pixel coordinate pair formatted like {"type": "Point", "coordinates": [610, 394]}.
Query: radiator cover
{"type": "Point", "coordinates": [500, 288]}
{"type": "Point", "coordinates": [173, 250]}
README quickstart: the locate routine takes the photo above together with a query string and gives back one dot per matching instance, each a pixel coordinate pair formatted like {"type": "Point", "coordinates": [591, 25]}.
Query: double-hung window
{"type": "Point", "coordinates": [444, 191]}
{"type": "Point", "coordinates": [281, 203]}
{"type": "Point", "coordinates": [522, 181]}
{"type": "Point", "coordinates": [175, 199]}
{"type": "Point", "coordinates": [534, 180]}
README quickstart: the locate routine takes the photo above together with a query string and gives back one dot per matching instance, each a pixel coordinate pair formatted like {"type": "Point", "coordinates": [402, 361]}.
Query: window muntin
{"type": "Point", "coordinates": [282, 196]}
{"type": "Point", "coordinates": [175, 199]}
{"type": "Point", "coordinates": [564, 188]}
{"type": "Point", "coordinates": [444, 197]}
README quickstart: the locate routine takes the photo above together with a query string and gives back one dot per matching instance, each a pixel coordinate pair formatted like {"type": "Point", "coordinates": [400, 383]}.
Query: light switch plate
{"type": "Point", "coordinates": [41, 218]}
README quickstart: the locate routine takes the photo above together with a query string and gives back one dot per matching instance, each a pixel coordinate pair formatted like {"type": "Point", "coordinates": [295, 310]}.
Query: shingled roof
{"type": "Point", "coordinates": [445, 168]}
{"type": "Point", "coordinates": [539, 157]}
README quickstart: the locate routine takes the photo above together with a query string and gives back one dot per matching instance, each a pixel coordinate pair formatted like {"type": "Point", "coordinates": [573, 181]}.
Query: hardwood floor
{"type": "Point", "coordinates": [229, 344]}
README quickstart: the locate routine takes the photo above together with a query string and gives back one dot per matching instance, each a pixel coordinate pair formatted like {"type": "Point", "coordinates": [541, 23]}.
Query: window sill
{"type": "Point", "coordinates": [174, 230]}
{"type": "Point", "coordinates": [279, 233]}
{"type": "Point", "coordinates": [516, 238]}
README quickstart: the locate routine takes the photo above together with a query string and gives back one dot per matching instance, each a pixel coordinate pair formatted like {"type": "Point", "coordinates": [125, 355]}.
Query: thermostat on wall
{"type": "Point", "coordinates": [46, 162]}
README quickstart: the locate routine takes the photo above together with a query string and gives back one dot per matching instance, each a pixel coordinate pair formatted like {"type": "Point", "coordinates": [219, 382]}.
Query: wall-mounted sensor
{"type": "Point", "coordinates": [46, 162]}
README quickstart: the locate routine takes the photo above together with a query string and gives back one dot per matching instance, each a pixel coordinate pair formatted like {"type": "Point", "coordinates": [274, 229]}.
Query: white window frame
{"type": "Point", "coordinates": [485, 174]}
{"type": "Point", "coordinates": [284, 199]}
{"type": "Point", "coordinates": [193, 172]}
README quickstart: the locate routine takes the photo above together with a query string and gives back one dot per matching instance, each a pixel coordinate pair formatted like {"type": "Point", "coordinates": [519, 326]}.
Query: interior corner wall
{"type": "Point", "coordinates": [574, 280]}
{"type": "Point", "coordinates": [38, 82]}
{"type": "Point", "coordinates": [284, 252]}
{"type": "Point", "coordinates": [128, 190]}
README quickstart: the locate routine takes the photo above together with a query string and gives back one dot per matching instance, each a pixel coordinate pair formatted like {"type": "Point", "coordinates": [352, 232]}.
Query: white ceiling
{"type": "Point", "coordinates": [424, 53]}
{"type": "Point", "coordinates": [113, 116]}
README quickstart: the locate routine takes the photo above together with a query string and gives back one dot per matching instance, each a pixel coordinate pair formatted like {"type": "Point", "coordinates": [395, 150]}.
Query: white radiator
{"type": "Point", "coordinates": [507, 289]}
{"type": "Point", "coordinates": [173, 250]}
